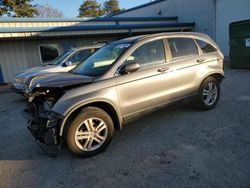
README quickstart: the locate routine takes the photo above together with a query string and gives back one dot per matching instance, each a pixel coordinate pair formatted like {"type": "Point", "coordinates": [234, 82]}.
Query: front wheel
{"type": "Point", "coordinates": [209, 94]}
{"type": "Point", "coordinates": [90, 132]}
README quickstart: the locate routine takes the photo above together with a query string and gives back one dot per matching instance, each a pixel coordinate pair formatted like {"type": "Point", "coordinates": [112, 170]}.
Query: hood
{"type": "Point", "coordinates": [56, 80]}
{"type": "Point", "coordinates": [36, 70]}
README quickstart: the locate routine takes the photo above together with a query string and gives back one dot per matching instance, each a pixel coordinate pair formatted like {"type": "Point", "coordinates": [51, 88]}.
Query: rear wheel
{"type": "Point", "coordinates": [90, 132]}
{"type": "Point", "coordinates": [209, 94]}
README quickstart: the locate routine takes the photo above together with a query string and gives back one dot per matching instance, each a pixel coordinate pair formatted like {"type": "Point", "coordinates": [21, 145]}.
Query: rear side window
{"type": "Point", "coordinates": [205, 47]}
{"type": "Point", "coordinates": [182, 47]}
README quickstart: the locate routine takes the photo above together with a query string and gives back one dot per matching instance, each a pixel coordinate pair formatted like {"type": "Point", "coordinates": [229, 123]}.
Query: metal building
{"type": "Point", "coordinates": [21, 39]}
{"type": "Point", "coordinates": [210, 16]}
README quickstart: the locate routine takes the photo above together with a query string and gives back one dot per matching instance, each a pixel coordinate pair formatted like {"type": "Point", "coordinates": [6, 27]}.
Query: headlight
{"type": "Point", "coordinates": [20, 80]}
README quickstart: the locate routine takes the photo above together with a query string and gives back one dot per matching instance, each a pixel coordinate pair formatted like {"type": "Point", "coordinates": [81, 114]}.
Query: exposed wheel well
{"type": "Point", "coordinates": [217, 76]}
{"type": "Point", "coordinates": [102, 105]}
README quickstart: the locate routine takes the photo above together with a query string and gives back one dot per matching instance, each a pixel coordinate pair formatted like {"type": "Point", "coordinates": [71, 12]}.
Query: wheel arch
{"type": "Point", "coordinates": [104, 105]}
{"type": "Point", "coordinates": [218, 76]}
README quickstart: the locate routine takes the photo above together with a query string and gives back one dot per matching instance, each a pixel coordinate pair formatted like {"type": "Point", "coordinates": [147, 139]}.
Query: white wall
{"type": "Point", "coordinates": [149, 11]}
{"type": "Point", "coordinates": [211, 16]}
{"type": "Point", "coordinates": [228, 11]}
{"type": "Point", "coordinates": [202, 12]}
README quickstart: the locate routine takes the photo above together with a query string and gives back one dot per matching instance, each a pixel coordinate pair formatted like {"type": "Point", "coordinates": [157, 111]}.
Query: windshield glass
{"type": "Point", "coordinates": [99, 62]}
{"type": "Point", "coordinates": [60, 58]}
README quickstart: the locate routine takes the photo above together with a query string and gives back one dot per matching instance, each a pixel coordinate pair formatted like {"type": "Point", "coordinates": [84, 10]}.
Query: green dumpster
{"type": "Point", "coordinates": [240, 44]}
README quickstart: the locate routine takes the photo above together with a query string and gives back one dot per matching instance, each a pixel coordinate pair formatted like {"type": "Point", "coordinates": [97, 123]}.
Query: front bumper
{"type": "Point", "coordinates": [43, 128]}
{"type": "Point", "coordinates": [16, 90]}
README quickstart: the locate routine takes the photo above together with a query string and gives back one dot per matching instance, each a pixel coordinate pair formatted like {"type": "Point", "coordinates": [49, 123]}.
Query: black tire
{"type": "Point", "coordinates": [78, 123]}
{"type": "Point", "coordinates": [200, 102]}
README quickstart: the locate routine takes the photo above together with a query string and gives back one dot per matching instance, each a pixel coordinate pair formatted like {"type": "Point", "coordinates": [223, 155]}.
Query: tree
{"type": "Point", "coordinates": [46, 11]}
{"type": "Point", "coordinates": [111, 7]}
{"type": "Point", "coordinates": [90, 8]}
{"type": "Point", "coordinates": [17, 8]}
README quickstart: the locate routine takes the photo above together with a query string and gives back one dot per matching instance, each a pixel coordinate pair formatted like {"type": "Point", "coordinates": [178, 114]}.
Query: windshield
{"type": "Point", "coordinates": [99, 62]}
{"type": "Point", "coordinates": [60, 58]}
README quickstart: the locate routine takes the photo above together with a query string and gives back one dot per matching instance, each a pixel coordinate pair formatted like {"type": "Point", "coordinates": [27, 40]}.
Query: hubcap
{"type": "Point", "coordinates": [91, 134]}
{"type": "Point", "coordinates": [210, 93]}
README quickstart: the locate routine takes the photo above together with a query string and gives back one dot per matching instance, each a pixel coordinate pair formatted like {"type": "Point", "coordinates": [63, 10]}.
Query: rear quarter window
{"type": "Point", "coordinates": [181, 47]}
{"type": "Point", "coordinates": [205, 47]}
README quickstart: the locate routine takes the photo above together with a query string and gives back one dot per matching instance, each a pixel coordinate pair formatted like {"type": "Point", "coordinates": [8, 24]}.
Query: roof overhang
{"type": "Point", "coordinates": [77, 30]}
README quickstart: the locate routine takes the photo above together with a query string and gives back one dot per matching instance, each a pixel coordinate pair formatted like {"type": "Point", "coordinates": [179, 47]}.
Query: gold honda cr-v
{"type": "Point", "coordinates": [120, 82]}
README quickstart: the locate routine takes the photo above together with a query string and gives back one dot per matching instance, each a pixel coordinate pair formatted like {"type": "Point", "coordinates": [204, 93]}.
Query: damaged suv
{"type": "Point", "coordinates": [120, 82]}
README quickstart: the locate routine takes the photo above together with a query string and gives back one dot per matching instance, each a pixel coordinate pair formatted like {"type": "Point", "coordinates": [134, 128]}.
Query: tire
{"type": "Point", "coordinates": [209, 88]}
{"type": "Point", "coordinates": [90, 132]}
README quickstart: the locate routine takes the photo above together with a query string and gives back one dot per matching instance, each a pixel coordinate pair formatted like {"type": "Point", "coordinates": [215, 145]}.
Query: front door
{"type": "Point", "coordinates": [148, 87]}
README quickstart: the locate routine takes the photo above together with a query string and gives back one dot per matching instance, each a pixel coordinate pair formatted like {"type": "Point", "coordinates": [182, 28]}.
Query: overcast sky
{"type": "Point", "coordinates": [70, 7]}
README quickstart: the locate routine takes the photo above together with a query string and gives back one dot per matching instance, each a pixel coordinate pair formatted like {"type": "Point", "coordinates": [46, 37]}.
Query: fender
{"type": "Point", "coordinates": [221, 73]}
{"type": "Point", "coordinates": [78, 97]}
{"type": "Point", "coordinates": [86, 103]}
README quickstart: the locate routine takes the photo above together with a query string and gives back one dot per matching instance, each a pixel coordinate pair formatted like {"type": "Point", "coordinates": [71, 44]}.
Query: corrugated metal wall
{"type": "Point", "coordinates": [149, 11]}
{"type": "Point", "coordinates": [16, 56]}
{"type": "Point", "coordinates": [228, 11]}
{"type": "Point", "coordinates": [202, 12]}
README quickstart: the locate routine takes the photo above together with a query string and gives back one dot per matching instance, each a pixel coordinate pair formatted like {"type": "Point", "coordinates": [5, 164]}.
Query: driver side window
{"type": "Point", "coordinates": [148, 55]}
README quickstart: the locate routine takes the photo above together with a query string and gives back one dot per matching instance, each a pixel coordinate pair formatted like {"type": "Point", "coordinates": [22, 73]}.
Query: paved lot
{"type": "Point", "coordinates": [177, 147]}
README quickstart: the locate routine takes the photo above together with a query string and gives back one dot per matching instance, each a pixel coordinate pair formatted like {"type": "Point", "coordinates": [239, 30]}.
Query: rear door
{"type": "Point", "coordinates": [186, 64]}
{"type": "Point", "coordinates": [151, 85]}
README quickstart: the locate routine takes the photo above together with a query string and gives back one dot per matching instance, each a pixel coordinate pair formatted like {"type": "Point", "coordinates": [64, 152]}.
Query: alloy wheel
{"type": "Point", "coordinates": [91, 134]}
{"type": "Point", "coordinates": [210, 93]}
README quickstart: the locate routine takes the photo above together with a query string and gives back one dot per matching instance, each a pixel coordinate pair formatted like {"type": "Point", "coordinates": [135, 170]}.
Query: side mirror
{"type": "Point", "coordinates": [67, 64]}
{"type": "Point", "coordinates": [129, 68]}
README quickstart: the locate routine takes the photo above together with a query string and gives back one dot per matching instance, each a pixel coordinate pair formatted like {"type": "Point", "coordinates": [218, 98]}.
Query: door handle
{"type": "Point", "coordinates": [200, 60]}
{"type": "Point", "coordinates": [164, 69]}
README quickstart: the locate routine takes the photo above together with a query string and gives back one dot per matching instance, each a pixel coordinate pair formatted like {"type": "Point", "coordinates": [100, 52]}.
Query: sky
{"type": "Point", "coordinates": [70, 8]}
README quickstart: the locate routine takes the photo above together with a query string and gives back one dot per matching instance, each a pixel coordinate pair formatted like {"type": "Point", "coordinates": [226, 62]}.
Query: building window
{"type": "Point", "coordinates": [48, 52]}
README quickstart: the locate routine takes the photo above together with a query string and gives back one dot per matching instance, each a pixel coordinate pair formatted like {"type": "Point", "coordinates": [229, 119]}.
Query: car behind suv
{"type": "Point", "coordinates": [63, 63]}
{"type": "Point", "coordinates": [120, 82]}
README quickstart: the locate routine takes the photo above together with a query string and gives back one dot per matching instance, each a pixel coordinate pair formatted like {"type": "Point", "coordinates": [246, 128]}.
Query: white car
{"type": "Point", "coordinates": [63, 63]}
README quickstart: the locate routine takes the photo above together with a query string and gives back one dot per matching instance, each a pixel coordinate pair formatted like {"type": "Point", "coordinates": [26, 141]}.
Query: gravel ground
{"type": "Point", "coordinates": [177, 147]}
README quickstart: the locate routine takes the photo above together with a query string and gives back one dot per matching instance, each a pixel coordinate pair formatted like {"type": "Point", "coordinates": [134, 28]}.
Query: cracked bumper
{"type": "Point", "coordinates": [44, 129]}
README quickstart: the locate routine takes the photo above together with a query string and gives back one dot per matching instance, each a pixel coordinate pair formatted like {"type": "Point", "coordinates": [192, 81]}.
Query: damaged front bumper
{"type": "Point", "coordinates": [44, 128]}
